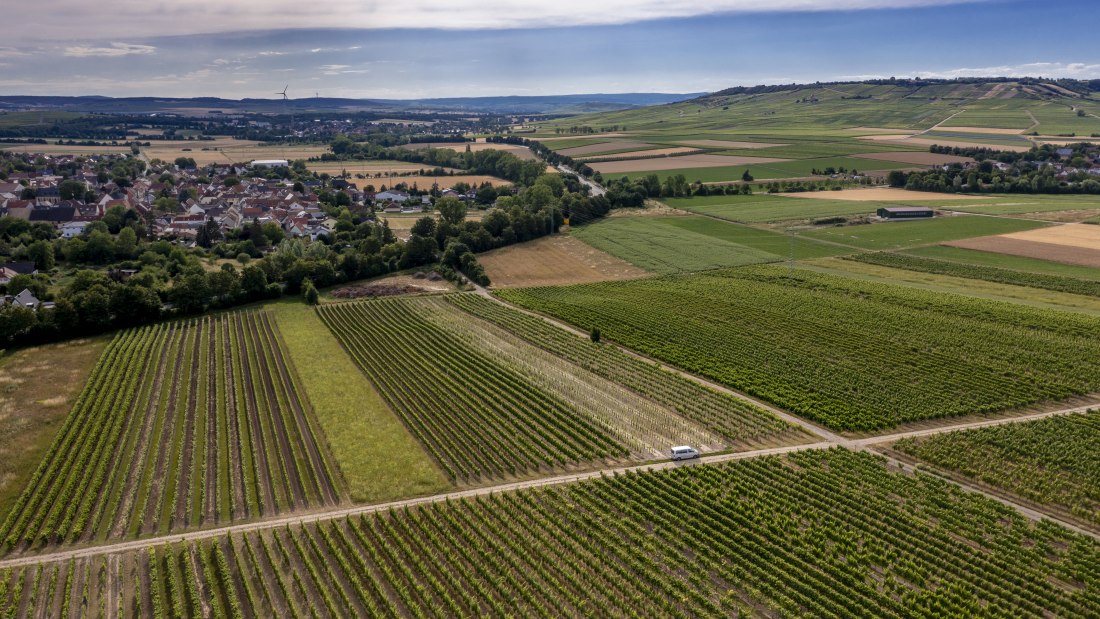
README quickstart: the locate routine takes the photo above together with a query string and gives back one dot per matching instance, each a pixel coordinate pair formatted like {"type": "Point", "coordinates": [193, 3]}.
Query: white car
{"type": "Point", "coordinates": [684, 452]}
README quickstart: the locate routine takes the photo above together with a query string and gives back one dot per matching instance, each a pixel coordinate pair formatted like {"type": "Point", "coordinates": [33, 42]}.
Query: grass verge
{"type": "Point", "coordinates": [380, 460]}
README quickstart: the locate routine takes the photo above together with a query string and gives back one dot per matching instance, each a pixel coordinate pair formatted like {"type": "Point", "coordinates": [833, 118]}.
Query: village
{"type": "Point", "coordinates": [177, 202]}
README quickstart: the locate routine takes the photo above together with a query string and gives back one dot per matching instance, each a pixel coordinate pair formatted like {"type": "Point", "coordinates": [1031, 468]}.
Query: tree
{"type": "Point", "coordinates": [309, 292]}
{"type": "Point", "coordinates": [208, 234]}
{"type": "Point", "coordinates": [190, 293]}
{"type": "Point", "coordinates": [425, 226]}
{"type": "Point", "coordinates": [15, 321]}
{"type": "Point", "coordinates": [41, 252]}
{"type": "Point", "coordinates": [72, 189]}
{"type": "Point", "coordinates": [451, 210]}
{"type": "Point", "coordinates": [253, 282]}
{"type": "Point", "coordinates": [418, 250]}
{"type": "Point", "coordinates": [594, 335]}
{"type": "Point", "coordinates": [896, 178]}
{"type": "Point", "coordinates": [134, 305]}
{"type": "Point", "coordinates": [746, 176]}
{"type": "Point", "coordinates": [126, 243]}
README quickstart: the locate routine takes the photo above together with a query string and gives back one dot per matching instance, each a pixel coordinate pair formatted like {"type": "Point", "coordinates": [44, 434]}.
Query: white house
{"type": "Point", "coordinates": [73, 229]}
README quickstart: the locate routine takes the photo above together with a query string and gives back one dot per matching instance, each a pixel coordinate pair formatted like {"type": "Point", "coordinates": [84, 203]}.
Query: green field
{"type": "Point", "coordinates": [768, 208]}
{"type": "Point", "coordinates": [854, 355]}
{"type": "Point", "coordinates": [356, 421]}
{"type": "Point", "coordinates": [798, 168]}
{"type": "Point", "coordinates": [905, 234]}
{"type": "Point", "coordinates": [1050, 461]}
{"type": "Point", "coordinates": [676, 244]}
{"type": "Point", "coordinates": [820, 533]}
{"type": "Point", "coordinates": [1017, 204]}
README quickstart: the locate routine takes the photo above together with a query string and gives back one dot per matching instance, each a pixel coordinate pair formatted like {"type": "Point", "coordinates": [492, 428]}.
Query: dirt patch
{"type": "Point", "coordinates": [653, 152]}
{"type": "Point", "coordinates": [731, 144]}
{"type": "Point", "coordinates": [553, 261]}
{"type": "Point", "coordinates": [1032, 249]}
{"type": "Point", "coordinates": [417, 283]}
{"type": "Point", "coordinates": [679, 163]}
{"type": "Point", "coordinates": [603, 147]}
{"type": "Point", "coordinates": [880, 194]}
{"type": "Point", "coordinates": [652, 208]}
{"type": "Point", "coordinates": [916, 158]}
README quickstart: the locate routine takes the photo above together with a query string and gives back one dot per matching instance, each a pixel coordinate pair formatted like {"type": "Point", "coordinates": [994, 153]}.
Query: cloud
{"type": "Point", "coordinates": [115, 50]}
{"type": "Point", "coordinates": [1077, 70]}
{"type": "Point", "coordinates": [162, 18]}
{"type": "Point", "coordinates": [11, 52]}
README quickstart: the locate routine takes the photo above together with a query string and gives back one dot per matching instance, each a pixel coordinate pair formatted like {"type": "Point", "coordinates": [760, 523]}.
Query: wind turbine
{"type": "Point", "coordinates": [286, 99]}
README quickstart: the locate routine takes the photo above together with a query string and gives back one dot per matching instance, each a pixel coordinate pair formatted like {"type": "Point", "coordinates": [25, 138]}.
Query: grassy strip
{"type": "Point", "coordinates": [380, 460]}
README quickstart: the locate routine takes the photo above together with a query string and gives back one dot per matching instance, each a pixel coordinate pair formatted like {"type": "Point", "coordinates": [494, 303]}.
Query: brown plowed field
{"type": "Point", "coordinates": [679, 163]}
{"type": "Point", "coordinates": [1065, 254]}
{"type": "Point", "coordinates": [552, 261]}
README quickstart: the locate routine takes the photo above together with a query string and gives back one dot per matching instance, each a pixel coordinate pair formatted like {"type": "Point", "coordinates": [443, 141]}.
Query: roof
{"type": "Point", "coordinates": [906, 209]}
{"type": "Point", "coordinates": [26, 268]}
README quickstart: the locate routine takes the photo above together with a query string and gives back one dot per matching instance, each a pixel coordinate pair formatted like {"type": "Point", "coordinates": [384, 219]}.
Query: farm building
{"type": "Point", "coordinates": [905, 212]}
{"type": "Point", "coordinates": [270, 163]}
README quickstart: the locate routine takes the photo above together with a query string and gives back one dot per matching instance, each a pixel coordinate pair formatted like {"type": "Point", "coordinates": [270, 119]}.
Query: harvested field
{"type": "Point", "coordinates": [653, 152]}
{"type": "Point", "coordinates": [369, 168]}
{"type": "Point", "coordinates": [1085, 236]}
{"type": "Point", "coordinates": [880, 194]}
{"type": "Point", "coordinates": [731, 144]}
{"type": "Point", "coordinates": [553, 261]}
{"type": "Point", "coordinates": [1064, 254]}
{"type": "Point", "coordinates": [917, 158]}
{"type": "Point", "coordinates": [519, 151]}
{"type": "Point", "coordinates": [181, 425]}
{"type": "Point", "coordinates": [679, 163]}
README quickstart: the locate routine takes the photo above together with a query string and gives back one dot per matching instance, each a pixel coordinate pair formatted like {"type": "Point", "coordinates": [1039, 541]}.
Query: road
{"type": "Point", "coordinates": [595, 189]}
{"type": "Point", "coordinates": [826, 439]}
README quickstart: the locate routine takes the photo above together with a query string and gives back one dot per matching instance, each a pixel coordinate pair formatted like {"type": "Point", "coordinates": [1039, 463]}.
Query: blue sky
{"type": "Point", "coordinates": [524, 47]}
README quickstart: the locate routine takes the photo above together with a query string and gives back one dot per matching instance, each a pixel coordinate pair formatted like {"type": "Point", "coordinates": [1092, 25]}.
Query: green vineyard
{"type": "Point", "coordinates": [852, 354]}
{"type": "Point", "coordinates": [740, 422]}
{"type": "Point", "coordinates": [821, 533]}
{"type": "Point", "coordinates": [1054, 461]}
{"type": "Point", "coordinates": [180, 425]}
{"type": "Point", "coordinates": [477, 416]}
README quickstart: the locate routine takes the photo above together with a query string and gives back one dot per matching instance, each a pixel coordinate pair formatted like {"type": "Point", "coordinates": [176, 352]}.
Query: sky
{"type": "Point", "coordinates": [458, 48]}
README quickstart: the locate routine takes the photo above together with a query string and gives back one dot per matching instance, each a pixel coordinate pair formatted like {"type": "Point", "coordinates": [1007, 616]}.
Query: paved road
{"type": "Point", "coordinates": [595, 189]}
{"type": "Point", "coordinates": [827, 439]}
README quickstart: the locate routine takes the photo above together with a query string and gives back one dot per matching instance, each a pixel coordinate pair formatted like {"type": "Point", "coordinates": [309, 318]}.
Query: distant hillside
{"type": "Point", "coordinates": [1056, 108]}
{"type": "Point", "coordinates": [555, 104]}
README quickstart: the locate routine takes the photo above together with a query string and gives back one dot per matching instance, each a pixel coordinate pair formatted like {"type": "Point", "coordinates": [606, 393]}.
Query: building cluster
{"type": "Point", "coordinates": [200, 197]}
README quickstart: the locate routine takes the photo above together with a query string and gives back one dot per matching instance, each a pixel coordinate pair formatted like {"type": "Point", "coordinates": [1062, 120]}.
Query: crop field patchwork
{"type": "Point", "coordinates": [824, 533]}
{"type": "Point", "coordinates": [1049, 461]}
{"type": "Point", "coordinates": [538, 406]}
{"type": "Point", "coordinates": [180, 425]}
{"type": "Point", "coordinates": [854, 355]}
